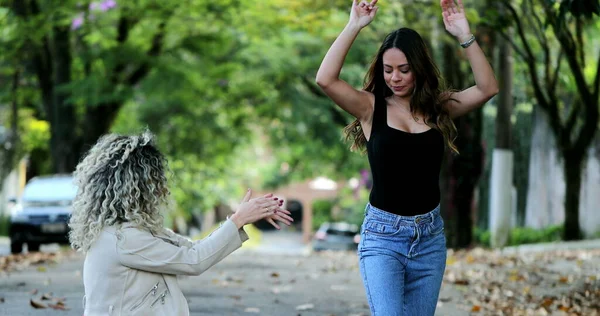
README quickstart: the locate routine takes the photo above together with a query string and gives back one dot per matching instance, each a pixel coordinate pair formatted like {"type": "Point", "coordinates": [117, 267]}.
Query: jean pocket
{"type": "Point", "coordinates": [380, 228]}
{"type": "Point", "coordinates": [436, 227]}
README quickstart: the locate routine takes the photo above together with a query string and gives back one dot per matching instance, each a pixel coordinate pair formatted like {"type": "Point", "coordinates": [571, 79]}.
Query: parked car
{"type": "Point", "coordinates": [336, 236]}
{"type": "Point", "coordinates": [42, 214]}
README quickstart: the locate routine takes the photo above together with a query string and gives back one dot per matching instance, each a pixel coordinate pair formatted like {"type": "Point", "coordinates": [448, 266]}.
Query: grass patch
{"type": "Point", "coordinates": [523, 235]}
{"type": "Point", "coordinates": [4, 225]}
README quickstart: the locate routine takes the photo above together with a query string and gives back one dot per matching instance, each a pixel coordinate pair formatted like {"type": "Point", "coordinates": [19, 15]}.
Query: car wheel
{"type": "Point", "coordinates": [16, 247]}
{"type": "Point", "coordinates": [33, 246]}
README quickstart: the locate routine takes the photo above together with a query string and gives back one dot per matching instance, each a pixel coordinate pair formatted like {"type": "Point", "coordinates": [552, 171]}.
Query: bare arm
{"type": "Point", "coordinates": [356, 102]}
{"type": "Point", "coordinates": [485, 82]}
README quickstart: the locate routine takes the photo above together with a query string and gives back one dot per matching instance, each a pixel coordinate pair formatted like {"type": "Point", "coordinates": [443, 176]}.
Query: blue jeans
{"type": "Point", "coordinates": [402, 261]}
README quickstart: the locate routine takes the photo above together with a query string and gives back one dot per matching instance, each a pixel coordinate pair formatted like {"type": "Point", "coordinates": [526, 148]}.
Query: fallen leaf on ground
{"type": "Point", "coordinates": [305, 307]}
{"type": "Point", "coordinates": [47, 296]}
{"type": "Point", "coordinates": [37, 304]}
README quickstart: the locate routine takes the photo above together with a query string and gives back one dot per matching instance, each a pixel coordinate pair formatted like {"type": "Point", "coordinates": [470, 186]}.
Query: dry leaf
{"type": "Point", "coordinates": [58, 307]}
{"type": "Point", "coordinates": [305, 307]}
{"type": "Point", "coordinates": [563, 279]}
{"type": "Point", "coordinates": [37, 304]}
{"type": "Point", "coordinates": [274, 275]}
{"type": "Point", "coordinates": [476, 308]}
{"type": "Point", "coordinates": [547, 302]}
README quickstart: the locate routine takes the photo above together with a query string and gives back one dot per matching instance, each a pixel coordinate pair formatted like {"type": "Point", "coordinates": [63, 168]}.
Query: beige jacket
{"type": "Point", "coordinates": [129, 271]}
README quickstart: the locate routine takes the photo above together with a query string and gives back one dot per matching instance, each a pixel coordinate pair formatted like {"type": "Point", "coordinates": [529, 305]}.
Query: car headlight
{"type": "Point", "coordinates": [16, 214]}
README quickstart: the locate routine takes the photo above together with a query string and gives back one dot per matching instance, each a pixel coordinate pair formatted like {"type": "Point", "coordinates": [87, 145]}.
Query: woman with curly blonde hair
{"type": "Point", "coordinates": [132, 261]}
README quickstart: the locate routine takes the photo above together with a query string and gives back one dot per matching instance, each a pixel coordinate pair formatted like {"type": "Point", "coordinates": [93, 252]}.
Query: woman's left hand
{"type": "Point", "coordinates": [455, 20]}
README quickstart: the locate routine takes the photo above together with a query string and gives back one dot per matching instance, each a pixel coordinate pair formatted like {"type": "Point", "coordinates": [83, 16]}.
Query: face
{"type": "Point", "coordinates": [397, 73]}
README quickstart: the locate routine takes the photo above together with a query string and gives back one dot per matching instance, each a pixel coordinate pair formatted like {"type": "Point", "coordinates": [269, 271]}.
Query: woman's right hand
{"type": "Point", "coordinates": [363, 13]}
{"type": "Point", "coordinates": [252, 210]}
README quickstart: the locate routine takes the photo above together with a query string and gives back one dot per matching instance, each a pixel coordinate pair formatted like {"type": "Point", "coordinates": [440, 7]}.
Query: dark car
{"type": "Point", "coordinates": [42, 215]}
{"type": "Point", "coordinates": [336, 236]}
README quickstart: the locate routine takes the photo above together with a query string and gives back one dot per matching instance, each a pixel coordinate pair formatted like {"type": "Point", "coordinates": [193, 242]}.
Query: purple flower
{"type": "Point", "coordinates": [103, 6]}
{"type": "Point", "coordinates": [77, 22]}
{"type": "Point", "coordinates": [107, 5]}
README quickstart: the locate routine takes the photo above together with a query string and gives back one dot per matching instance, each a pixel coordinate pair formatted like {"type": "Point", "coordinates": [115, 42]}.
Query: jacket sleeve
{"type": "Point", "coordinates": [179, 240]}
{"type": "Point", "coordinates": [139, 249]}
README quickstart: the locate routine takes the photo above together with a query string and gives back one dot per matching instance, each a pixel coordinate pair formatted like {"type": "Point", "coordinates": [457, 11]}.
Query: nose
{"type": "Point", "coordinates": [395, 76]}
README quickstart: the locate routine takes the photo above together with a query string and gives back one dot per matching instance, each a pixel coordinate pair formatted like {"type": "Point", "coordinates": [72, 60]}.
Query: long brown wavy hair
{"type": "Point", "coordinates": [429, 97]}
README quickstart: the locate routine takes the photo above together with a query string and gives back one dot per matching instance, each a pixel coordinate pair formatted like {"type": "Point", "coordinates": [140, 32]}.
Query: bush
{"type": "Point", "coordinates": [352, 203]}
{"type": "Point", "coordinates": [321, 212]}
{"type": "Point", "coordinates": [523, 235]}
{"type": "Point", "coordinates": [4, 224]}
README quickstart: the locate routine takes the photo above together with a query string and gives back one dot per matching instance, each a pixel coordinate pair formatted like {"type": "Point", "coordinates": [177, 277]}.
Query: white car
{"type": "Point", "coordinates": [42, 214]}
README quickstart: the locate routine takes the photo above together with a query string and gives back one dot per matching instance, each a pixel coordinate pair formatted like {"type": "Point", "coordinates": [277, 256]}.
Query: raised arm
{"type": "Point", "coordinates": [485, 86]}
{"type": "Point", "coordinates": [356, 102]}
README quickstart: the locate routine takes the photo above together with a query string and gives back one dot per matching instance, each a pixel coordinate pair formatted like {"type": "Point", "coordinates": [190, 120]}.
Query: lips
{"type": "Point", "coordinates": [398, 88]}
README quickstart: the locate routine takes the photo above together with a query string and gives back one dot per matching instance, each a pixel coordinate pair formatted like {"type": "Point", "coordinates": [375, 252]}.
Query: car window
{"type": "Point", "coordinates": [50, 189]}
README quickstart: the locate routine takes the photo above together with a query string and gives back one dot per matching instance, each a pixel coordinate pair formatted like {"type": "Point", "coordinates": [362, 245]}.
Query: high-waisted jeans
{"type": "Point", "coordinates": [402, 261]}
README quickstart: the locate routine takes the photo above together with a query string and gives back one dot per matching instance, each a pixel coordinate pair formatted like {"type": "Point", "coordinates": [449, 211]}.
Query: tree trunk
{"type": "Point", "coordinates": [501, 201]}
{"type": "Point", "coordinates": [465, 171]}
{"type": "Point", "coordinates": [98, 120]}
{"type": "Point", "coordinates": [573, 169]}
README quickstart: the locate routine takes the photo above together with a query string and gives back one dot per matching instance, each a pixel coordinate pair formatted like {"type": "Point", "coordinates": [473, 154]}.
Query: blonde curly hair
{"type": "Point", "coordinates": [121, 179]}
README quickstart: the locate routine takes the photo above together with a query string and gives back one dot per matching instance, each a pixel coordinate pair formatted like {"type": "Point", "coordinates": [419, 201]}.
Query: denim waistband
{"type": "Point", "coordinates": [387, 217]}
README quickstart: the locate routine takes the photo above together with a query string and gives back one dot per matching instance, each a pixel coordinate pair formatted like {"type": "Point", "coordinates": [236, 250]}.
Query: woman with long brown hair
{"type": "Point", "coordinates": [404, 119]}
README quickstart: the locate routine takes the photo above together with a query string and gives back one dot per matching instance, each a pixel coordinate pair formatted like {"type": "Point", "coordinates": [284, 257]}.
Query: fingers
{"type": "Point", "coordinates": [460, 6]}
{"type": "Point", "coordinates": [373, 3]}
{"type": "Point", "coordinates": [286, 221]}
{"type": "Point", "coordinates": [374, 11]}
{"type": "Point", "coordinates": [247, 196]}
{"type": "Point", "coordinates": [272, 222]}
{"type": "Point", "coordinates": [453, 7]}
{"type": "Point", "coordinates": [284, 212]}
{"type": "Point", "coordinates": [284, 217]}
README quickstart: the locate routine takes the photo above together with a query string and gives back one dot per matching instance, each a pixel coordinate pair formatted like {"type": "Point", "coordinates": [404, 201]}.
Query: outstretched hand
{"type": "Point", "coordinates": [265, 207]}
{"type": "Point", "coordinates": [455, 20]}
{"type": "Point", "coordinates": [363, 13]}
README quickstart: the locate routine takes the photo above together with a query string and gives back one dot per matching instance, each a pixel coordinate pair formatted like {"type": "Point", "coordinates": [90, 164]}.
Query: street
{"type": "Point", "coordinates": [283, 277]}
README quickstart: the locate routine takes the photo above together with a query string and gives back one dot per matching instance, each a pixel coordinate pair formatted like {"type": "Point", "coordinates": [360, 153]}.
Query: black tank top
{"type": "Point", "coordinates": [405, 166]}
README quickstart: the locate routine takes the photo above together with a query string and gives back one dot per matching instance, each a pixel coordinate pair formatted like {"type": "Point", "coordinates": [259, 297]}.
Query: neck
{"type": "Point", "coordinates": [404, 103]}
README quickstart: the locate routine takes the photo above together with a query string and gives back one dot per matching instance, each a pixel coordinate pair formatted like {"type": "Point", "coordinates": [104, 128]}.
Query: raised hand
{"type": "Point", "coordinates": [455, 20]}
{"type": "Point", "coordinates": [252, 210]}
{"type": "Point", "coordinates": [363, 13]}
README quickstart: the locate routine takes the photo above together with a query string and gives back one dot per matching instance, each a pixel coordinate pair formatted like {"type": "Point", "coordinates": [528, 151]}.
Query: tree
{"type": "Point", "coordinates": [89, 57]}
{"type": "Point", "coordinates": [573, 117]}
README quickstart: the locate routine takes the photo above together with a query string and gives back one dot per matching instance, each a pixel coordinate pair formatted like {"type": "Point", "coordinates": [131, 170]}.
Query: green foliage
{"type": "Point", "coordinates": [523, 235]}
{"type": "Point", "coordinates": [4, 225]}
{"type": "Point", "coordinates": [352, 204]}
{"type": "Point", "coordinates": [322, 212]}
